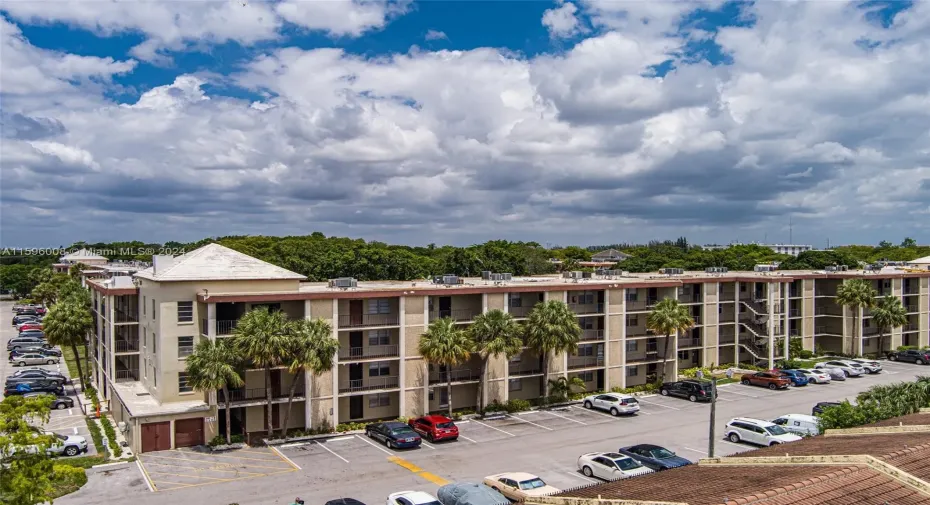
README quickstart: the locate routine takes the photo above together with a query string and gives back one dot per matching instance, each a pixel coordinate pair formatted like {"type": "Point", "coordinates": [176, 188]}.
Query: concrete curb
{"type": "Point", "coordinates": [109, 467]}
{"type": "Point", "coordinates": [311, 438]}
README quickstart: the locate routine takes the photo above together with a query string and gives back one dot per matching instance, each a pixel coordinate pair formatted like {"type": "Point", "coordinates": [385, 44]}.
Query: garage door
{"type": "Point", "coordinates": [188, 432]}
{"type": "Point", "coordinates": [156, 436]}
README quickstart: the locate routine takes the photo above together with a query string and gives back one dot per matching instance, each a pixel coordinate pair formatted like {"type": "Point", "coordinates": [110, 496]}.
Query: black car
{"type": "Point", "coordinates": [36, 374]}
{"type": "Point", "coordinates": [655, 457]}
{"type": "Point", "coordinates": [26, 342]}
{"type": "Point", "coordinates": [920, 357]}
{"type": "Point", "coordinates": [693, 390]}
{"type": "Point", "coordinates": [22, 388]}
{"type": "Point", "coordinates": [821, 406]}
{"type": "Point", "coordinates": [394, 434]}
{"type": "Point", "coordinates": [19, 318]}
{"type": "Point", "coordinates": [45, 351]}
{"type": "Point", "coordinates": [58, 402]}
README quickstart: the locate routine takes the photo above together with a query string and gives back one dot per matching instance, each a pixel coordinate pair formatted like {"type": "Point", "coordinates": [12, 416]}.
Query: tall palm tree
{"type": "Point", "coordinates": [67, 324]}
{"type": "Point", "coordinates": [856, 294]}
{"type": "Point", "coordinates": [445, 343]}
{"type": "Point", "coordinates": [261, 338]}
{"type": "Point", "coordinates": [666, 318]}
{"type": "Point", "coordinates": [310, 347]}
{"type": "Point", "coordinates": [494, 333]}
{"type": "Point", "coordinates": [552, 328]}
{"type": "Point", "coordinates": [563, 387]}
{"type": "Point", "coordinates": [888, 314]}
{"type": "Point", "coordinates": [212, 367]}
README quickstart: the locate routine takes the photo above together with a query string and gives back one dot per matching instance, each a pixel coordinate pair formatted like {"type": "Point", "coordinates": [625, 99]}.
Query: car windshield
{"type": "Point", "coordinates": [628, 401]}
{"type": "Point", "coordinates": [445, 426]}
{"type": "Point", "coordinates": [627, 463]}
{"type": "Point", "coordinates": [660, 453]}
{"type": "Point", "coordinates": [532, 484]}
{"type": "Point", "coordinates": [776, 430]}
{"type": "Point", "coordinates": [402, 431]}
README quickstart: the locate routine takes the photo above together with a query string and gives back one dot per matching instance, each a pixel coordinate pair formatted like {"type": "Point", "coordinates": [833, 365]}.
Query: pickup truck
{"type": "Point", "coordinates": [921, 357]}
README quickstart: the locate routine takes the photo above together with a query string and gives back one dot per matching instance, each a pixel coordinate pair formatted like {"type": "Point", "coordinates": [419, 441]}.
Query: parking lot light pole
{"type": "Point", "coordinates": [713, 415]}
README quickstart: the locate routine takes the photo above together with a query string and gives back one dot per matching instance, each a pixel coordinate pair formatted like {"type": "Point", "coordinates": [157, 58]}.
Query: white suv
{"type": "Point", "coordinates": [757, 431]}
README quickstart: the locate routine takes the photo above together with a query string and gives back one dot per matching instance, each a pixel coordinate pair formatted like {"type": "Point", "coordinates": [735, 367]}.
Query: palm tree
{"type": "Point", "coordinates": [552, 328]}
{"type": "Point", "coordinates": [856, 294]}
{"type": "Point", "coordinates": [444, 343]}
{"type": "Point", "coordinates": [261, 337]}
{"type": "Point", "coordinates": [310, 347]}
{"type": "Point", "coordinates": [666, 318]}
{"type": "Point", "coordinates": [889, 313]}
{"type": "Point", "coordinates": [563, 387]}
{"type": "Point", "coordinates": [494, 333]}
{"type": "Point", "coordinates": [212, 367]}
{"type": "Point", "coordinates": [67, 324]}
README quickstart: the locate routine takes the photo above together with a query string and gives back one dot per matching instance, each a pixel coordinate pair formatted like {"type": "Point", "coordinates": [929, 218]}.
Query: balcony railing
{"type": "Point", "coordinates": [226, 326]}
{"type": "Point", "coordinates": [586, 308]}
{"type": "Point", "coordinates": [455, 315]}
{"type": "Point", "coordinates": [642, 358]}
{"type": "Point", "coordinates": [257, 394]}
{"type": "Point", "coordinates": [728, 296]}
{"type": "Point", "coordinates": [869, 331]}
{"type": "Point", "coordinates": [727, 339]}
{"type": "Point", "coordinates": [120, 316]}
{"type": "Point", "coordinates": [371, 351]}
{"type": "Point", "coordinates": [575, 362]}
{"type": "Point", "coordinates": [828, 311]}
{"type": "Point", "coordinates": [912, 309]}
{"type": "Point", "coordinates": [369, 384]}
{"type": "Point", "coordinates": [126, 345]}
{"type": "Point", "coordinates": [827, 330]}
{"type": "Point", "coordinates": [824, 292]}
{"type": "Point", "coordinates": [794, 313]}
{"type": "Point", "coordinates": [689, 342]}
{"type": "Point", "coordinates": [696, 318]}
{"type": "Point", "coordinates": [641, 304]}
{"type": "Point", "coordinates": [520, 311]}
{"type": "Point", "coordinates": [794, 293]}
{"type": "Point", "coordinates": [463, 375]}
{"type": "Point", "coordinates": [519, 370]}
{"type": "Point", "coordinates": [652, 347]}
{"type": "Point", "coordinates": [911, 290]}
{"type": "Point", "coordinates": [909, 327]}
{"type": "Point", "coordinates": [587, 335]}
{"type": "Point", "coordinates": [363, 320]}
{"type": "Point", "coordinates": [126, 376]}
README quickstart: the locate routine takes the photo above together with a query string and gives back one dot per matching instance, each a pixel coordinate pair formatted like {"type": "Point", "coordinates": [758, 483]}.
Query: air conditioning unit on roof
{"type": "Point", "coordinates": [343, 282]}
{"type": "Point", "coordinates": [672, 271]}
{"type": "Point", "coordinates": [486, 275]}
{"type": "Point", "coordinates": [506, 276]}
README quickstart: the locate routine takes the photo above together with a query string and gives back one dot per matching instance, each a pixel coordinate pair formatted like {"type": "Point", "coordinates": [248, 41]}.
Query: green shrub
{"type": "Point", "coordinates": [111, 436]}
{"type": "Point", "coordinates": [91, 394]}
{"type": "Point", "coordinates": [95, 434]}
{"type": "Point", "coordinates": [789, 364]}
{"type": "Point", "coordinates": [83, 461]}
{"type": "Point", "coordinates": [907, 347]}
{"type": "Point", "coordinates": [518, 405]}
{"type": "Point", "coordinates": [344, 427]}
{"type": "Point", "coordinates": [805, 354]}
{"type": "Point", "coordinates": [649, 387]}
{"type": "Point", "coordinates": [67, 479]}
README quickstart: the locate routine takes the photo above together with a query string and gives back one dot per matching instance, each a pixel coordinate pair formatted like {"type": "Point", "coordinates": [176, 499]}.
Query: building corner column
{"type": "Point", "coordinates": [402, 352]}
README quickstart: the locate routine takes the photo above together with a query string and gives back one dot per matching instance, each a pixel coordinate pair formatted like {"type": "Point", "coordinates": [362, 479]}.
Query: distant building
{"type": "Point", "coordinates": [920, 263]}
{"type": "Point", "coordinates": [609, 256]}
{"type": "Point", "coordinates": [790, 249]}
{"type": "Point", "coordinates": [84, 256]}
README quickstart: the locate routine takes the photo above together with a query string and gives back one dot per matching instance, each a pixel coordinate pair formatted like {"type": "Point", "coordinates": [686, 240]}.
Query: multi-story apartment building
{"type": "Point", "coordinates": [147, 325]}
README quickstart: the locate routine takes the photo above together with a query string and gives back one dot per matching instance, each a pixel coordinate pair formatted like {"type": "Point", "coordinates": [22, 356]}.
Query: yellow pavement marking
{"type": "Point", "coordinates": [419, 472]}
{"type": "Point", "coordinates": [145, 473]}
{"type": "Point", "coordinates": [179, 486]}
{"type": "Point", "coordinates": [192, 460]}
{"type": "Point", "coordinates": [210, 469]}
{"type": "Point", "coordinates": [192, 477]}
{"type": "Point", "coordinates": [228, 456]}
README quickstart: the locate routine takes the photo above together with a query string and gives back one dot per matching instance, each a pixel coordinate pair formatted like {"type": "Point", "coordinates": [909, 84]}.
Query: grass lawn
{"type": "Point", "coordinates": [72, 365]}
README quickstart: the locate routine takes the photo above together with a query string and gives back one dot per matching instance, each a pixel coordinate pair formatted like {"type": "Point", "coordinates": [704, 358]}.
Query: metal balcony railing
{"type": "Point", "coordinates": [869, 331]}
{"type": "Point", "coordinates": [520, 311]}
{"type": "Point", "coordinates": [640, 358]}
{"type": "Point", "coordinates": [126, 345]}
{"type": "Point", "coordinates": [652, 347]}
{"type": "Point", "coordinates": [257, 394]}
{"type": "Point", "coordinates": [588, 335]}
{"type": "Point", "coordinates": [455, 315]}
{"type": "Point", "coordinates": [462, 375]}
{"type": "Point", "coordinates": [226, 326]}
{"type": "Point", "coordinates": [120, 316]}
{"type": "Point", "coordinates": [911, 309]}
{"type": "Point", "coordinates": [728, 296]}
{"type": "Point", "coordinates": [369, 384]}
{"type": "Point", "coordinates": [726, 339]}
{"type": "Point", "coordinates": [794, 313]}
{"type": "Point", "coordinates": [520, 370]}
{"type": "Point", "coordinates": [575, 362]}
{"type": "Point", "coordinates": [371, 351]}
{"type": "Point", "coordinates": [364, 320]}
{"type": "Point", "coordinates": [696, 318]}
{"type": "Point", "coordinates": [126, 376]}
{"type": "Point", "coordinates": [586, 308]}
{"type": "Point", "coordinates": [689, 342]}
{"type": "Point", "coordinates": [909, 327]}
{"type": "Point", "coordinates": [828, 311]}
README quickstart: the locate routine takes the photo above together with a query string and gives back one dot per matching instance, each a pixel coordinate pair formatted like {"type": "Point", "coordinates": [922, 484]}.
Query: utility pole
{"type": "Point", "coordinates": [713, 410]}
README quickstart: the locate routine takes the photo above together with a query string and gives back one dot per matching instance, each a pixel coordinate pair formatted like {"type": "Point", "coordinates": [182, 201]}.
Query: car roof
{"type": "Point", "coordinates": [749, 420]}
{"type": "Point", "coordinates": [802, 417]}
{"type": "Point", "coordinates": [615, 455]}
{"type": "Point", "coordinates": [344, 501]}
{"type": "Point", "coordinates": [644, 446]}
{"type": "Point", "coordinates": [517, 476]}
{"type": "Point", "coordinates": [395, 424]}
{"type": "Point", "coordinates": [436, 418]}
{"type": "Point", "coordinates": [416, 497]}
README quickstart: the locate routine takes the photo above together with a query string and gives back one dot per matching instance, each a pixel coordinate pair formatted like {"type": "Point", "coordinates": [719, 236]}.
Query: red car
{"type": "Point", "coordinates": [30, 326]}
{"type": "Point", "coordinates": [435, 428]}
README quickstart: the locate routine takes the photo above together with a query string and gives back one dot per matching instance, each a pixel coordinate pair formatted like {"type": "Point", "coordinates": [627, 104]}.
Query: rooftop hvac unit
{"type": "Point", "coordinates": [672, 271]}
{"type": "Point", "coordinates": [586, 275]}
{"type": "Point", "coordinates": [765, 268]}
{"type": "Point", "coordinates": [566, 275]}
{"type": "Point", "coordinates": [842, 268]}
{"type": "Point", "coordinates": [601, 271]}
{"type": "Point", "coordinates": [830, 268]}
{"type": "Point", "coordinates": [576, 274]}
{"type": "Point", "coordinates": [506, 276]}
{"type": "Point", "coordinates": [450, 279]}
{"type": "Point", "coordinates": [486, 275]}
{"type": "Point", "coordinates": [615, 272]}
{"type": "Point", "coordinates": [715, 270]}
{"type": "Point", "coordinates": [496, 277]}
{"type": "Point", "coordinates": [343, 282]}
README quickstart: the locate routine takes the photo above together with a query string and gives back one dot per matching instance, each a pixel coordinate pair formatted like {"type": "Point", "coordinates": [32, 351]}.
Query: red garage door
{"type": "Point", "coordinates": [188, 432]}
{"type": "Point", "coordinates": [156, 436]}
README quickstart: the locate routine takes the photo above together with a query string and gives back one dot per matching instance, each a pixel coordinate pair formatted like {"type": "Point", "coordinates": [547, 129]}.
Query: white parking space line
{"type": "Point", "coordinates": [369, 442]}
{"type": "Point", "coordinates": [567, 418]}
{"type": "Point", "coordinates": [730, 390]}
{"type": "Point", "coordinates": [658, 404]}
{"type": "Point", "coordinates": [70, 412]}
{"type": "Point", "coordinates": [531, 422]}
{"type": "Point", "coordinates": [576, 474]}
{"type": "Point", "coordinates": [466, 438]}
{"type": "Point", "coordinates": [144, 476]}
{"type": "Point", "coordinates": [338, 439]}
{"type": "Point", "coordinates": [695, 450]}
{"type": "Point", "coordinates": [735, 445]}
{"type": "Point", "coordinates": [493, 428]}
{"type": "Point", "coordinates": [75, 431]}
{"type": "Point", "coordinates": [427, 445]}
{"type": "Point", "coordinates": [285, 458]}
{"type": "Point", "coordinates": [331, 452]}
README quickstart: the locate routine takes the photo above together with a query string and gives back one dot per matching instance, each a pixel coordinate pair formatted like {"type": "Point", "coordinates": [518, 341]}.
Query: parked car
{"type": "Point", "coordinates": [394, 434]}
{"type": "Point", "coordinates": [518, 486]}
{"type": "Point", "coordinates": [24, 342]}
{"type": "Point", "coordinates": [757, 431]}
{"type": "Point", "coordinates": [21, 388]}
{"type": "Point", "coordinates": [435, 428]}
{"type": "Point", "coordinates": [35, 359]}
{"type": "Point", "coordinates": [820, 406]}
{"type": "Point", "coordinates": [693, 390]}
{"type": "Point", "coordinates": [412, 498]}
{"type": "Point", "coordinates": [870, 366]}
{"type": "Point", "coordinates": [58, 402]}
{"type": "Point", "coordinates": [469, 493]}
{"type": "Point", "coordinates": [610, 466]}
{"type": "Point", "coordinates": [766, 379]}
{"type": "Point", "coordinates": [920, 357]}
{"type": "Point", "coordinates": [797, 378]}
{"type": "Point", "coordinates": [817, 376]}
{"type": "Point", "coordinates": [835, 373]}
{"type": "Point", "coordinates": [37, 374]}
{"type": "Point", "coordinates": [32, 333]}
{"type": "Point", "coordinates": [47, 351]}
{"type": "Point", "coordinates": [615, 403]}
{"type": "Point", "coordinates": [69, 445]}
{"type": "Point", "coordinates": [29, 325]}
{"type": "Point", "coordinates": [653, 456]}
{"type": "Point", "coordinates": [799, 424]}
{"type": "Point", "coordinates": [20, 318]}
{"type": "Point", "coordinates": [849, 368]}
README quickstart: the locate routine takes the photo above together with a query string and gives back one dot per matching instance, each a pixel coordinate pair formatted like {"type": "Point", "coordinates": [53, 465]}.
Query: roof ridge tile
{"type": "Point", "coordinates": [769, 493]}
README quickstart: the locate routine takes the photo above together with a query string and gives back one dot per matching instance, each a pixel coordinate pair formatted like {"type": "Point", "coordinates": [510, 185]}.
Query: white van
{"type": "Point", "coordinates": [799, 424]}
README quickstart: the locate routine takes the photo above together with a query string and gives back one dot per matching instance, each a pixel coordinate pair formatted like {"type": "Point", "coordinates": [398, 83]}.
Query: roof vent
{"type": "Point", "coordinates": [344, 283]}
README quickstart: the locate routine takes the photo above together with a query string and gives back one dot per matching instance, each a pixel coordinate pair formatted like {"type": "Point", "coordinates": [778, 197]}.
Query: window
{"type": "Point", "coordinates": [379, 369]}
{"type": "Point", "coordinates": [515, 385]}
{"type": "Point", "coordinates": [631, 345]}
{"type": "Point", "coordinates": [631, 295]}
{"type": "Point", "coordinates": [154, 343]}
{"type": "Point", "coordinates": [682, 354]}
{"type": "Point", "coordinates": [379, 306]}
{"type": "Point", "coordinates": [586, 323]}
{"type": "Point", "coordinates": [515, 300]}
{"type": "Point", "coordinates": [586, 376]}
{"type": "Point", "coordinates": [143, 305]}
{"type": "Point", "coordinates": [379, 400]}
{"type": "Point", "coordinates": [632, 371]}
{"type": "Point", "coordinates": [153, 308]}
{"type": "Point", "coordinates": [185, 312]}
{"type": "Point", "coordinates": [379, 337]}
{"type": "Point", "coordinates": [145, 338]}
{"type": "Point", "coordinates": [185, 346]}
{"type": "Point", "coordinates": [183, 386]}
{"type": "Point", "coordinates": [632, 321]}
{"type": "Point", "coordinates": [585, 350]}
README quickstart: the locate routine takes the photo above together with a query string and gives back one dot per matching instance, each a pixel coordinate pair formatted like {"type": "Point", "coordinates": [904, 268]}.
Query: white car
{"type": "Point", "coordinates": [610, 466]}
{"type": "Point", "coordinates": [816, 376]}
{"type": "Point", "coordinates": [757, 431]}
{"type": "Point", "coordinates": [849, 368]}
{"type": "Point", "coordinates": [799, 424]}
{"type": "Point", "coordinates": [615, 403]}
{"type": "Point", "coordinates": [869, 365]}
{"type": "Point", "coordinates": [412, 498]}
{"type": "Point", "coordinates": [69, 445]}
{"type": "Point", "coordinates": [518, 486]}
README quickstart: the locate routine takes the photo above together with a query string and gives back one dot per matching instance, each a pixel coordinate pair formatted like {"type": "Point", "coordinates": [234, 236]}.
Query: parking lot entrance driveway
{"type": "Point", "coordinates": [184, 468]}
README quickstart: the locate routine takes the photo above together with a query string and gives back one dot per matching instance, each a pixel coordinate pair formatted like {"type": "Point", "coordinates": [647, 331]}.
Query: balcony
{"type": "Point", "coordinates": [458, 315]}
{"type": "Point", "coordinates": [727, 339]}
{"type": "Point", "coordinates": [689, 342]}
{"type": "Point", "coordinates": [226, 326]}
{"type": "Point", "coordinates": [644, 358]}
{"type": "Point", "coordinates": [637, 305]}
{"type": "Point", "coordinates": [369, 384]}
{"type": "Point", "coordinates": [868, 332]}
{"type": "Point", "coordinates": [520, 311]}
{"type": "Point", "coordinates": [575, 362]}
{"type": "Point", "coordinates": [828, 311]}
{"type": "Point", "coordinates": [461, 375]}
{"type": "Point", "coordinates": [728, 296]}
{"type": "Point", "coordinates": [371, 351]}
{"type": "Point", "coordinates": [909, 328]}
{"type": "Point", "coordinates": [696, 318]}
{"type": "Point", "coordinates": [517, 370]}
{"type": "Point", "coordinates": [588, 335]}
{"type": "Point", "coordinates": [912, 309]}
{"type": "Point", "coordinates": [126, 376]}
{"type": "Point", "coordinates": [794, 313]}
{"type": "Point", "coordinates": [366, 320]}
{"type": "Point", "coordinates": [121, 316]}
{"type": "Point", "coordinates": [827, 330]}
{"type": "Point", "coordinates": [259, 394]}
{"type": "Point", "coordinates": [587, 308]}
{"type": "Point", "coordinates": [130, 345]}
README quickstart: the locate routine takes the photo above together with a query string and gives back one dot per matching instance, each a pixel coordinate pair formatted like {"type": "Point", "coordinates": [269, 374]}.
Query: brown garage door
{"type": "Point", "coordinates": [156, 436]}
{"type": "Point", "coordinates": [188, 432]}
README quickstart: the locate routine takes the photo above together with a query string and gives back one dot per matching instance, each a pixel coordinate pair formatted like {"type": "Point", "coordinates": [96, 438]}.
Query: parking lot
{"type": "Point", "coordinates": [184, 468]}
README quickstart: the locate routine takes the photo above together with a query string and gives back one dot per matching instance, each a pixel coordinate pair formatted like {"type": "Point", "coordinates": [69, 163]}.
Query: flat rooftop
{"type": "Point", "coordinates": [141, 403]}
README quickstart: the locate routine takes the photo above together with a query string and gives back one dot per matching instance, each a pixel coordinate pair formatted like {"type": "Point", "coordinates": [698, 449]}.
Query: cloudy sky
{"type": "Point", "coordinates": [457, 122]}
